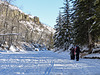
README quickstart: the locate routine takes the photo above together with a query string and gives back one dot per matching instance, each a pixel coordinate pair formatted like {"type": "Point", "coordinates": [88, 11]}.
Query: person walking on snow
{"type": "Point", "coordinates": [72, 55]}
{"type": "Point", "coordinates": [77, 50]}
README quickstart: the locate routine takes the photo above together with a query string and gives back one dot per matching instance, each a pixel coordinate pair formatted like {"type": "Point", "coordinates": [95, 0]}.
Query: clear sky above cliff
{"type": "Point", "coordinates": [46, 10]}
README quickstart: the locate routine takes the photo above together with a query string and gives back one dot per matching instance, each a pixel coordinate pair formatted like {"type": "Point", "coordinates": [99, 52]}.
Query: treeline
{"type": "Point", "coordinates": [78, 23]}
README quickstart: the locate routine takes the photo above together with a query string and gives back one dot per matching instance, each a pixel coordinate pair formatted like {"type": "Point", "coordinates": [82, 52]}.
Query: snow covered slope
{"type": "Point", "coordinates": [27, 26]}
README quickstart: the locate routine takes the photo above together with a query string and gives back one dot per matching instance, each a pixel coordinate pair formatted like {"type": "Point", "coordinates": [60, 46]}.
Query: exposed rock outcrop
{"type": "Point", "coordinates": [29, 28]}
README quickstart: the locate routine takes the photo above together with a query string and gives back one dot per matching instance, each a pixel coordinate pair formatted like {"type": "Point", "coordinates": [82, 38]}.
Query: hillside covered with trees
{"type": "Point", "coordinates": [78, 23]}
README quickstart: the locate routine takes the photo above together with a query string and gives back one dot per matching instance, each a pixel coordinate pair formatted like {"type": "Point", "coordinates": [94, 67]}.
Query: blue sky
{"type": "Point", "coordinates": [46, 10]}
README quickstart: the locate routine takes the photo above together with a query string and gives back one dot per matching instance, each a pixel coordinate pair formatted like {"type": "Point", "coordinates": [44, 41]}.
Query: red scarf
{"type": "Point", "coordinates": [75, 51]}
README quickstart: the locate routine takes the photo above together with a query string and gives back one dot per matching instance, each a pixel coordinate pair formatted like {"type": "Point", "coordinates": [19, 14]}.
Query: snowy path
{"type": "Point", "coordinates": [46, 63]}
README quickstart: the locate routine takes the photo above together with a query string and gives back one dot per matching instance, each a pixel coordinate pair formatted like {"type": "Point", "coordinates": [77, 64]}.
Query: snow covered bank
{"type": "Point", "coordinates": [22, 47]}
{"type": "Point", "coordinates": [95, 53]}
{"type": "Point", "coordinates": [93, 56]}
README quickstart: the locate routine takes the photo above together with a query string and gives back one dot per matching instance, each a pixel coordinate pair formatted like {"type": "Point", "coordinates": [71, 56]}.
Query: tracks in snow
{"type": "Point", "coordinates": [48, 69]}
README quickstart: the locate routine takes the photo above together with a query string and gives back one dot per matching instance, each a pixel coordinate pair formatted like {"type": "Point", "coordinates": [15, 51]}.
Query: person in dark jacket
{"type": "Point", "coordinates": [77, 50]}
{"type": "Point", "coordinates": [72, 55]}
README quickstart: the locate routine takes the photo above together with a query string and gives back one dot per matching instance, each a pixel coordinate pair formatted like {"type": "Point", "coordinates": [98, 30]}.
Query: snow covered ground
{"type": "Point", "coordinates": [45, 63]}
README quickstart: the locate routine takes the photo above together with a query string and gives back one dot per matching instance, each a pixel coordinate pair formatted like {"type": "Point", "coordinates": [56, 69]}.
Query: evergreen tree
{"type": "Point", "coordinates": [66, 30]}
{"type": "Point", "coordinates": [58, 29]}
{"type": "Point", "coordinates": [63, 28]}
{"type": "Point", "coordinates": [86, 22]}
{"type": "Point", "coordinates": [51, 41]}
{"type": "Point", "coordinates": [96, 24]}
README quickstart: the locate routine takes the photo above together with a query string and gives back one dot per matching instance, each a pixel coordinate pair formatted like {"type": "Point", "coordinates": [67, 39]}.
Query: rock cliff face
{"type": "Point", "coordinates": [27, 27]}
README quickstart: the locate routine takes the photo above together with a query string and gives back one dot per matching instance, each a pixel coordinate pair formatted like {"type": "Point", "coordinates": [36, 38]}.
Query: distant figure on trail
{"type": "Point", "coordinates": [72, 55]}
{"type": "Point", "coordinates": [77, 50]}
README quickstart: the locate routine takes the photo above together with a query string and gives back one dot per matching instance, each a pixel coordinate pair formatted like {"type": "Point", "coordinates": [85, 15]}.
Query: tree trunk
{"type": "Point", "coordinates": [90, 43]}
